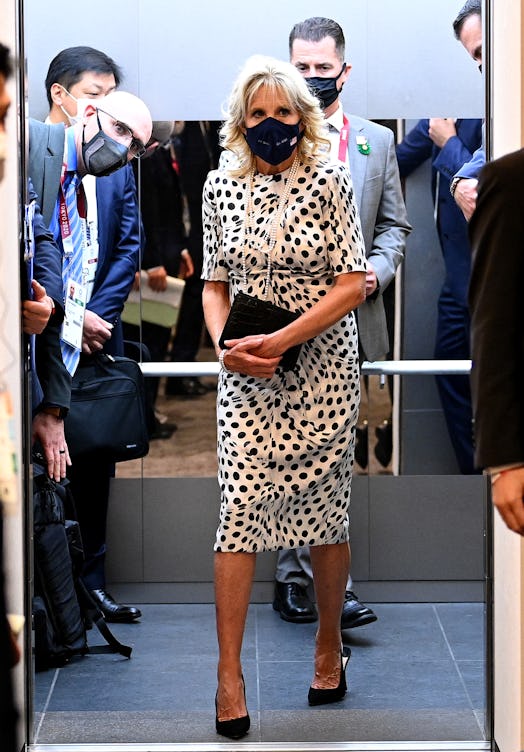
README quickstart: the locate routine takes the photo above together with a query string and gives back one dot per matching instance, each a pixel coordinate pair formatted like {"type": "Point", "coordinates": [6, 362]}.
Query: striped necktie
{"type": "Point", "coordinates": [72, 263]}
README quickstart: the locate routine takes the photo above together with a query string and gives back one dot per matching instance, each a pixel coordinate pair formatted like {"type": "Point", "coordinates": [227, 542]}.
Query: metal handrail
{"type": "Point", "coordinates": [376, 367]}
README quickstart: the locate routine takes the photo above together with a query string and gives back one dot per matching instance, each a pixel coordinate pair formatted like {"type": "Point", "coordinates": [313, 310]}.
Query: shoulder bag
{"type": "Point", "coordinates": [107, 413]}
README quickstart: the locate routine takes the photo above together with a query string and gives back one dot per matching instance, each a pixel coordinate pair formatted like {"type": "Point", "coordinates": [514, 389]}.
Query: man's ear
{"type": "Point", "coordinates": [58, 93]}
{"type": "Point", "coordinates": [344, 77]}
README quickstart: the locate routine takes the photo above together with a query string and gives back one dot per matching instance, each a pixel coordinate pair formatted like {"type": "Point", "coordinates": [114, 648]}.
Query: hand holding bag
{"type": "Point", "coordinates": [250, 315]}
{"type": "Point", "coordinates": [107, 412]}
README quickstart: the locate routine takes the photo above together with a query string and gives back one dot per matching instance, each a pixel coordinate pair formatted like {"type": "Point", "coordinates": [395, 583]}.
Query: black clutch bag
{"type": "Point", "coordinates": [250, 315]}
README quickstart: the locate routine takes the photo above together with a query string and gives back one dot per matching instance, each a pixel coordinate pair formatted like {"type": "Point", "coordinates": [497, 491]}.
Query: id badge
{"type": "Point", "coordinates": [75, 304]}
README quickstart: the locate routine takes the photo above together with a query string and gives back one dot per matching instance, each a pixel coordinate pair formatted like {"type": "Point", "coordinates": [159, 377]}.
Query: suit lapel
{"type": "Point", "coordinates": [357, 162]}
{"type": "Point", "coordinates": [52, 170]}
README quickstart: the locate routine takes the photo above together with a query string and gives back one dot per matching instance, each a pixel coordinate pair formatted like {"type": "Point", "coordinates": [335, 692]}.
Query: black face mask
{"type": "Point", "coordinates": [103, 155]}
{"type": "Point", "coordinates": [325, 89]}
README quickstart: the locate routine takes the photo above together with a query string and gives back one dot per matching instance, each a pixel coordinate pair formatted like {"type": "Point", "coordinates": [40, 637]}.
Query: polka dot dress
{"type": "Point", "coordinates": [285, 444]}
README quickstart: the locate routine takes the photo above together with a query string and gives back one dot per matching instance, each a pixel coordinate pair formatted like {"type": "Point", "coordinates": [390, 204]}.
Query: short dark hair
{"type": "Point", "coordinates": [70, 64]}
{"type": "Point", "coordinates": [317, 28]}
{"type": "Point", "coordinates": [470, 8]}
{"type": "Point", "coordinates": [6, 66]}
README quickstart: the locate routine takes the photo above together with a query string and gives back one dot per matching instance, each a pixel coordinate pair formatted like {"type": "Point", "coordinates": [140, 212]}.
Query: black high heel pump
{"type": "Point", "coordinates": [235, 728]}
{"type": "Point", "coordinates": [325, 696]}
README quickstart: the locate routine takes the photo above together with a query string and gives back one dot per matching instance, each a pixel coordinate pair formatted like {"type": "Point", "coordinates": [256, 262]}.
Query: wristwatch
{"type": "Point", "coordinates": [58, 412]}
{"type": "Point", "coordinates": [453, 186]}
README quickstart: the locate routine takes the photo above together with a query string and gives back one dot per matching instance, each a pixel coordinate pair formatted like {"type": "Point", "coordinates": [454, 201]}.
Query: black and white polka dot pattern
{"type": "Point", "coordinates": [285, 444]}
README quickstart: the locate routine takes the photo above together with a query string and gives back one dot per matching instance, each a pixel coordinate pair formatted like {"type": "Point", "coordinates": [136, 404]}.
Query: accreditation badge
{"type": "Point", "coordinates": [75, 305]}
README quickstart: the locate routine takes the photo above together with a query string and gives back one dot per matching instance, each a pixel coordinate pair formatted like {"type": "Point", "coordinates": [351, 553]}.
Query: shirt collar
{"type": "Point", "coordinates": [70, 151]}
{"type": "Point", "coordinates": [336, 120]}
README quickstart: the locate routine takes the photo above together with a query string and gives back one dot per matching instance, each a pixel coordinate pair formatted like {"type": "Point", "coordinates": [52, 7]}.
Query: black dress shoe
{"type": "Point", "coordinates": [355, 613]}
{"type": "Point", "coordinates": [162, 430]}
{"type": "Point", "coordinates": [384, 445]}
{"type": "Point", "coordinates": [325, 696]}
{"type": "Point", "coordinates": [185, 386]}
{"type": "Point", "coordinates": [293, 603]}
{"type": "Point", "coordinates": [113, 611]}
{"type": "Point", "coordinates": [361, 445]}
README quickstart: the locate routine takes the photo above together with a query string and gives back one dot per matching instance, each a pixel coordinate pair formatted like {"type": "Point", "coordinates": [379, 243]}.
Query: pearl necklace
{"type": "Point", "coordinates": [269, 238]}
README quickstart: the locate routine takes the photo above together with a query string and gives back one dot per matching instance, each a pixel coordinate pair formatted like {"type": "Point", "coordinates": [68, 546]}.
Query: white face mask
{"type": "Point", "coordinates": [3, 152]}
{"type": "Point", "coordinates": [81, 105]}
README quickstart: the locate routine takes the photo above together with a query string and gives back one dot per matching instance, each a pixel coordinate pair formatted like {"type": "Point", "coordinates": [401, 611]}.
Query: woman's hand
{"type": "Point", "coordinates": [249, 357]}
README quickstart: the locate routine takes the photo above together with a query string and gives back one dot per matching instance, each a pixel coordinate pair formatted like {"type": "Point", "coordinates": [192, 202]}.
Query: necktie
{"type": "Point", "coordinates": [73, 260]}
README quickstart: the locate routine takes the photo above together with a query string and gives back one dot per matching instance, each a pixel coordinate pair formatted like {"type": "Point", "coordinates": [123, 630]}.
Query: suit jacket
{"type": "Point", "coordinates": [452, 227]}
{"type": "Point", "coordinates": [383, 217]}
{"type": "Point", "coordinates": [497, 313]}
{"type": "Point", "coordinates": [118, 223]}
{"type": "Point", "coordinates": [472, 167]}
{"type": "Point", "coordinates": [51, 384]}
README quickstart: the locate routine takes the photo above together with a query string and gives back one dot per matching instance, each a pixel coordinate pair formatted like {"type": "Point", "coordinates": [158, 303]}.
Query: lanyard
{"type": "Point", "coordinates": [64, 221]}
{"type": "Point", "coordinates": [63, 216]}
{"type": "Point", "coordinates": [344, 140]}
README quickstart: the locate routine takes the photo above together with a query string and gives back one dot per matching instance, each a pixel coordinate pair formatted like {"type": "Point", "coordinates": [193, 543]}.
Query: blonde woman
{"type": "Point", "coordinates": [281, 224]}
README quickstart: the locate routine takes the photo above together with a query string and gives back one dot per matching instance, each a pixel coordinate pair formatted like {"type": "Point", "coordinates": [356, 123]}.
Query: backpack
{"type": "Point", "coordinates": [62, 606]}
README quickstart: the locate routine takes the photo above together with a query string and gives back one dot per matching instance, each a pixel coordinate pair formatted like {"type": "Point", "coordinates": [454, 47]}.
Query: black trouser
{"type": "Point", "coordinates": [90, 478]}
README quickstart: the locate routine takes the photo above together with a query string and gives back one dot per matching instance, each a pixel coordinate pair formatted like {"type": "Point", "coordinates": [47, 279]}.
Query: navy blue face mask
{"type": "Point", "coordinates": [325, 89]}
{"type": "Point", "coordinates": [273, 141]}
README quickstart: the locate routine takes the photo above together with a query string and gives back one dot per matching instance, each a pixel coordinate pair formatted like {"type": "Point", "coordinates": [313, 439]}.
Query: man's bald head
{"type": "Point", "coordinates": [113, 130]}
{"type": "Point", "coordinates": [130, 110]}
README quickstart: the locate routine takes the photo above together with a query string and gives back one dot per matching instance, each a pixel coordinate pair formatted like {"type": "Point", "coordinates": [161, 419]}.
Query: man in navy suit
{"type": "Point", "coordinates": [449, 144]}
{"type": "Point", "coordinates": [101, 142]}
{"type": "Point", "coordinates": [467, 28]}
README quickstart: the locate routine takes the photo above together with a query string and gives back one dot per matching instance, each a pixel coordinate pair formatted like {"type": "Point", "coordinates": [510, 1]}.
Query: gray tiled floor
{"type": "Point", "coordinates": [417, 673]}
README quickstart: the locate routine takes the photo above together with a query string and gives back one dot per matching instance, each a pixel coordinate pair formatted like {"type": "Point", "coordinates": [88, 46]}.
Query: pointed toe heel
{"type": "Point", "coordinates": [234, 728]}
{"type": "Point", "coordinates": [325, 696]}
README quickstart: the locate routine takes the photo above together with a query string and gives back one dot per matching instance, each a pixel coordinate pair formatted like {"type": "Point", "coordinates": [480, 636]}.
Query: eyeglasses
{"type": "Point", "coordinates": [123, 131]}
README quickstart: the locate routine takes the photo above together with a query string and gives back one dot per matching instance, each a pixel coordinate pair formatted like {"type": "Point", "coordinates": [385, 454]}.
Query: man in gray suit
{"type": "Point", "coordinates": [317, 49]}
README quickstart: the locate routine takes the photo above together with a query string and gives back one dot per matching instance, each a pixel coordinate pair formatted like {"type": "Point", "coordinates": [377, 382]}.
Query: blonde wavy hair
{"type": "Point", "coordinates": [283, 77]}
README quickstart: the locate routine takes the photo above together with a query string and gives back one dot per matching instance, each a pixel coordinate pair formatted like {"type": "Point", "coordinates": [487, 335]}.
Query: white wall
{"type": "Point", "coordinates": [181, 57]}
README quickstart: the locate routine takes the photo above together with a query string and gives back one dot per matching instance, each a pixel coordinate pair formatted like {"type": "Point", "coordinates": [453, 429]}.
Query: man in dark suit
{"type": "Point", "coordinates": [43, 313]}
{"type": "Point", "coordinates": [467, 28]}
{"type": "Point", "coordinates": [196, 152]}
{"type": "Point", "coordinates": [449, 144]}
{"type": "Point", "coordinates": [122, 124]}
{"type": "Point", "coordinates": [497, 329]}
{"type": "Point", "coordinates": [165, 249]}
